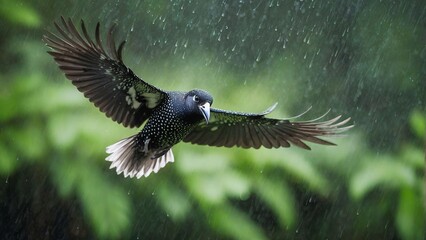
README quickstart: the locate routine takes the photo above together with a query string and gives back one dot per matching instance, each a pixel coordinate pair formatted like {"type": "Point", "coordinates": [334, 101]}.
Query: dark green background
{"type": "Point", "coordinates": [363, 59]}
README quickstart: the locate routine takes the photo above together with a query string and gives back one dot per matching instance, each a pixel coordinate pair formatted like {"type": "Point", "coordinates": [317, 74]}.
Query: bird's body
{"type": "Point", "coordinates": [169, 123]}
{"type": "Point", "coordinates": [169, 116]}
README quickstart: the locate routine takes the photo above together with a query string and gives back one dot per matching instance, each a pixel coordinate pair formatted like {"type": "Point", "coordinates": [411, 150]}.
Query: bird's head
{"type": "Point", "coordinates": [198, 102]}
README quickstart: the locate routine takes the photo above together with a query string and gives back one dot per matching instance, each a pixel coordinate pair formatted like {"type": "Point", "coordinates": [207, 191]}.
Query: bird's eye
{"type": "Point", "coordinates": [196, 98]}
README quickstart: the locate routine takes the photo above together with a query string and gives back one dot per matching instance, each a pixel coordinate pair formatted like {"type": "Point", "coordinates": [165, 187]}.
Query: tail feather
{"type": "Point", "coordinates": [129, 160]}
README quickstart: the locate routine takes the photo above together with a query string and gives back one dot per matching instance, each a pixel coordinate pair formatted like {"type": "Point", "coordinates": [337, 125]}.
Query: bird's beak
{"type": "Point", "coordinates": [205, 110]}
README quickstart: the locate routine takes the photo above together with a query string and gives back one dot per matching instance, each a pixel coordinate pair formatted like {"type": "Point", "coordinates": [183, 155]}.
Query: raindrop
{"type": "Point", "coordinates": [258, 57]}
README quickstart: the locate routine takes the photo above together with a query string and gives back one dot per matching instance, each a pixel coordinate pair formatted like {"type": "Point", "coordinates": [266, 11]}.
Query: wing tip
{"type": "Point", "coordinates": [270, 109]}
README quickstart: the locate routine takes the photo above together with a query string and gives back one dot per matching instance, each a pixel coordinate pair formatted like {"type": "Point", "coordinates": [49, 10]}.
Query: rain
{"type": "Point", "coordinates": [361, 59]}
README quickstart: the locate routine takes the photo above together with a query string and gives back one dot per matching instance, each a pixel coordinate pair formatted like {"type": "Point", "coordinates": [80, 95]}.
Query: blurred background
{"type": "Point", "coordinates": [364, 59]}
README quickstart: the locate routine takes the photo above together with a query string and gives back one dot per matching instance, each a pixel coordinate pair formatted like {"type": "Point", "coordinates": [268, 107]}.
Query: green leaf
{"type": "Point", "coordinates": [8, 162]}
{"type": "Point", "coordinates": [63, 130]}
{"type": "Point", "coordinates": [211, 178]}
{"type": "Point", "coordinates": [385, 173]}
{"type": "Point", "coordinates": [216, 188]}
{"type": "Point", "coordinates": [66, 174]}
{"type": "Point", "coordinates": [413, 156]}
{"type": "Point", "coordinates": [28, 140]}
{"type": "Point", "coordinates": [418, 123]}
{"type": "Point", "coordinates": [410, 218]}
{"type": "Point", "coordinates": [19, 13]}
{"type": "Point", "coordinates": [107, 206]}
{"type": "Point", "coordinates": [297, 166]}
{"type": "Point", "coordinates": [174, 201]}
{"type": "Point", "coordinates": [279, 198]}
{"type": "Point", "coordinates": [192, 162]}
{"type": "Point", "coordinates": [234, 223]}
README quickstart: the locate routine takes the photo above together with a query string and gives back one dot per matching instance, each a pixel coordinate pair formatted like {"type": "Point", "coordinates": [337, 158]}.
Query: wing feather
{"type": "Point", "coordinates": [100, 74]}
{"type": "Point", "coordinates": [253, 130]}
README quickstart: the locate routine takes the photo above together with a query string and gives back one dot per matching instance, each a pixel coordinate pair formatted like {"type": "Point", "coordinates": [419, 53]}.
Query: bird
{"type": "Point", "coordinates": [168, 117]}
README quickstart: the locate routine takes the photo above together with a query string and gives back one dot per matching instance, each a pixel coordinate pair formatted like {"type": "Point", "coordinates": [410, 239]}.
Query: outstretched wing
{"type": "Point", "coordinates": [101, 74]}
{"type": "Point", "coordinates": [249, 130]}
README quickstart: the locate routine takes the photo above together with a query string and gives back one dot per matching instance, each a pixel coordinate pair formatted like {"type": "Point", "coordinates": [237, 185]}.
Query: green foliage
{"type": "Point", "coordinates": [385, 172]}
{"type": "Point", "coordinates": [279, 198]}
{"type": "Point", "coordinates": [174, 201]}
{"type": "Point", "coordinates": [19, 13]}
{"type": "Point", "coordinates": [234, 224]}
{"type": "Point", "coordinates": [397, 175]}
{"type": "Point", "coordinates": [418, 124]}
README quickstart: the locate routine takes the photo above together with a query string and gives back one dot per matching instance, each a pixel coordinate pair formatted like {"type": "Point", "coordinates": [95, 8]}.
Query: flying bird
{"type": "Point", "coordinates": [98, 71]}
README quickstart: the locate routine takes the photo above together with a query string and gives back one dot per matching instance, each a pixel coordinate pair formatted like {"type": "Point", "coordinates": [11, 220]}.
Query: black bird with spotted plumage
{"type": "Point", "coordinates": [98, 71]}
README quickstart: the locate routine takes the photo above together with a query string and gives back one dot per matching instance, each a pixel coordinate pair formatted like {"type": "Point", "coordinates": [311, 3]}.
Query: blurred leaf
{"type": "Point", "coordinates": [234, 223]}
{"type": "Point", "coordinates": [18, 95]}
{"type": "Point", "coordinates": [63, 130]}
{"type": "Point", "coordinates": [384, 173]}
{"type": "Point", "coordinates": [107, 206]}
{"type": "Point", "coordinates": [192, 162]}
{"type": "Point", "coordinates": [8, 106]}
{"type": "Point", "coordinates": [65, 98]}
{"type": "Point", "coordinates": [8, 162]}
{"type": "Point", "coordinates": [418, 124]}
{"type": "Point", "coordinates": [19, 13]}
{"type": "Point", "coordinates": [413, 156]}
{"type": "Point", "coordinates": [279, 198]}
{"type": "Point", "coordinates": [216, 188]}
{"type": "Point", "coordinates": [410, 216]}
{"type": "Point", "coordinates": [66, 174]}
{"type": "Point", "coordinates": [27, 140]}
{"type": "Point", "coordinates": [296, 165]}
{"type": "Point", "coordinates": [211, 177]}
{"type": "Point", "coordinates": [174, 201]}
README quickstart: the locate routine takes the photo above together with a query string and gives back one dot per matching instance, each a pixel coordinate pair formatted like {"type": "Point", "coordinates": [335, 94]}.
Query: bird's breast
{"type": "Point", "coordinates": [166, 127]}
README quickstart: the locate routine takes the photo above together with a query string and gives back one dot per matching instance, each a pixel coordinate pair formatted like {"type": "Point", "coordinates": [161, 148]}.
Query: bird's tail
{"type": "Point", "coordinates": [127, 158]}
